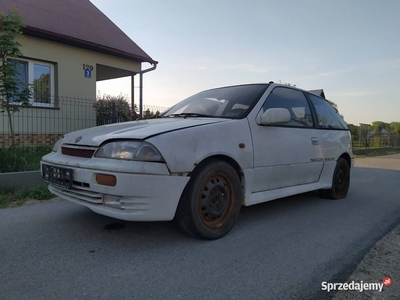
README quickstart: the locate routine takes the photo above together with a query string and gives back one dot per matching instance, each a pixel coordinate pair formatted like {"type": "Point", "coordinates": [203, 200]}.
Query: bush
{"type": "Point", "coordinates": [147, 114]}
{"type": "Point", "coordinates": [18, 159]}
{"type": "Point", "coordinates": [111, 109]}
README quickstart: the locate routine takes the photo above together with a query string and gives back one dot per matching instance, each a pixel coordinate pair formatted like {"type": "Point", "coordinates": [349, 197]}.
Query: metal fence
{"type": "Point", "coordinates": [35, 129]}
{"type": "Point", "coordinates": [366, 136]}
{"type": "Point", "coordinates": [386, 140]}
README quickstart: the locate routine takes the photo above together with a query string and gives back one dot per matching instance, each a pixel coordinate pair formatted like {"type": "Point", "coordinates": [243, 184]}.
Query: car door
{"type": "Point", "coordinates": [335, 137]}
{"type": "Point", "coordinates": [288, 154]}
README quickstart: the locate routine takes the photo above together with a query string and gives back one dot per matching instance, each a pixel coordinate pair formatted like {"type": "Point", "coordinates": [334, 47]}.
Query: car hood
{"type": "Point", "coordinates": [134, 130]}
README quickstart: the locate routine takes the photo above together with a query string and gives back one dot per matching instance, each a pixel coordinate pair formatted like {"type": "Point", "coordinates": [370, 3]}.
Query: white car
{"type": "Point", "coordinates": [206, 157]}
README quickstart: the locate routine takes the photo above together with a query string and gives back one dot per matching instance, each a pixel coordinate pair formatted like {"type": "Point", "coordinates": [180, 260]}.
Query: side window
{"type": "Point", "coordinates": [295, 102]}
{"type": "Point", "coordinates": [327, 116]}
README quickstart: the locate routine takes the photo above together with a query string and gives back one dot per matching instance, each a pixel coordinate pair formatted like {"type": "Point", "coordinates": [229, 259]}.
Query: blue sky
{"type": "Point", "coordinates": [350, 48]}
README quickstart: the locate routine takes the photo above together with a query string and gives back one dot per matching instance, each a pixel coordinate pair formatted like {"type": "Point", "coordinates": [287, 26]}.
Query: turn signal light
{"type": "Point", "coordinates": [104, 179]}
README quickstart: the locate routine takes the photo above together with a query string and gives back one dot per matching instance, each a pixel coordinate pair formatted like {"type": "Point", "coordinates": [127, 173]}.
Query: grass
{"type": "Point", "coordinates": [11, 197]}
{"type": "Point", "coordinates": [18, 159]}
{"type": "Point", "coordinates": [375, 152]}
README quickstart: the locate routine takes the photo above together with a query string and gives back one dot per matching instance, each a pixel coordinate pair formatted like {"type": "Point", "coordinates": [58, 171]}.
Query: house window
{"type": "Point", "coordinates": [40, 76]}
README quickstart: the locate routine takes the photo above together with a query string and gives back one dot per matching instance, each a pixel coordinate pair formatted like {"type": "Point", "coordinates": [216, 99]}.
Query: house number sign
{"type": "Point", "coordinates": [87, 69]}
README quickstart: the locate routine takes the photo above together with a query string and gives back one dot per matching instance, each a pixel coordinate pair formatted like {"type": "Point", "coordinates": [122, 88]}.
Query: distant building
{"type": "Point", "coordinates": [385, 135]}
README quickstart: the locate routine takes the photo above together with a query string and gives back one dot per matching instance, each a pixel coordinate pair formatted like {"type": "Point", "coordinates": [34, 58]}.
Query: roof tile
{"type": "Point", "coordinates": [76, 21]}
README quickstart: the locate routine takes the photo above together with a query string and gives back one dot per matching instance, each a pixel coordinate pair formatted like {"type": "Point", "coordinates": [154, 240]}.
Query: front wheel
{"type": "Point", "coordinates": [340, 181]}
{"type": "Point", "coordinates": [211, 202]}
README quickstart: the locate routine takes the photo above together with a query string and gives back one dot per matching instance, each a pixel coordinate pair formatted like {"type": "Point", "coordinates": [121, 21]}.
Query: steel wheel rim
{"type": "Point", "coordinates": [215, 203]}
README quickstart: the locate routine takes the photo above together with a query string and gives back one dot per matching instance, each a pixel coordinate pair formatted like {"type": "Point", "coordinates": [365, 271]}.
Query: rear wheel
{"type": "Point", "coordinates": [211, 202]}
{"type": "Point", "coordinates": [340, 181]}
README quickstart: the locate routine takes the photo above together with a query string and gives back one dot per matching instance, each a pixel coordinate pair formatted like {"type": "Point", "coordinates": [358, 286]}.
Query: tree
{"type": "Point", "coordinates": [378, 126]}
{"type": "Point", "coordinates": [14, 93]}
{"type": "Point", "coordinates": [148, 114]}
{"type": "Point", "coordinates": [394, 127]}
{"type": "Point", "coordinates": [286, 83]}
{"type": "Point", "coordinates": [110, 109]}
{"type": "Point", "coordinates": [354, 130]}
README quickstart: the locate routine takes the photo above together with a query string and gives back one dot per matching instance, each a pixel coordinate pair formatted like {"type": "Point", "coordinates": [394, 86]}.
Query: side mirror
{"type": "Point", "coordinates": [274, 116]}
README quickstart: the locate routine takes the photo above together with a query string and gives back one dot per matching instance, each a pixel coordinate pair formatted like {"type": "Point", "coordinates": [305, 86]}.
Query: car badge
{"type": "Point", "coordinates": [78, 139]}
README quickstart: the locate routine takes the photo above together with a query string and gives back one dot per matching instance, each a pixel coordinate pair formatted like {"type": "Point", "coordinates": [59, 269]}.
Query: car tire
{"type": "Point", "coordinates": [340, 182]}
{"type": "Point", "coordinates": [211, 202]}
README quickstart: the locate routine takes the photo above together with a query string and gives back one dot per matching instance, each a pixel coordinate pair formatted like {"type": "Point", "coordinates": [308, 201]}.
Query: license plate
{"type": "Point", "coordinates": [61, 177]}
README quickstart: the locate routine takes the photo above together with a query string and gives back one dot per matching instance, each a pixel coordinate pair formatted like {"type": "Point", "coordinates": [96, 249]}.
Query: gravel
{"type": "Point", "coordinates": [382, 261]}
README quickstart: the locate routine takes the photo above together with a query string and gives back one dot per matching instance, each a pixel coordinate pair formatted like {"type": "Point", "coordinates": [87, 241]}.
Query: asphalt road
{"type": "Point", "coordinates": [283, 249]}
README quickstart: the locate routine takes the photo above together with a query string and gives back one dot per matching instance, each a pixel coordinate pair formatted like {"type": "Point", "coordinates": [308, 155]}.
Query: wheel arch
{"type": "Point", "coordinates": [346, 156]}
{"type": "Point", "coordinates": [231, 162]}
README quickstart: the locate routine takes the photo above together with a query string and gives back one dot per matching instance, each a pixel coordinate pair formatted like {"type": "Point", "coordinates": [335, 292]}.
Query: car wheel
{"type": "Point", "coordinates": [211, 202]}
{"type": "Point", "coordinates": [340, 181]}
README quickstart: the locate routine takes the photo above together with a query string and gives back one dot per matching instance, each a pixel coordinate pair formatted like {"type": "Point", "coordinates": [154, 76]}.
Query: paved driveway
{"type": "Point", "coordinates": [388, 162]}
{"type": "Point", "coordinates": [283, 249]}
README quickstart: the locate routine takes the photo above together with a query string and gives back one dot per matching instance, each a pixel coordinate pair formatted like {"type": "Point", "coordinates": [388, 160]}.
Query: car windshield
{"type": "Point", "coordinates": [229, 102]}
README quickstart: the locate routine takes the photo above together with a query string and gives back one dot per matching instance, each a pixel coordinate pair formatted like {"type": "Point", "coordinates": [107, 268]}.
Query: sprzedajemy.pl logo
{"type": "Point", "coordinates": [357, 286]}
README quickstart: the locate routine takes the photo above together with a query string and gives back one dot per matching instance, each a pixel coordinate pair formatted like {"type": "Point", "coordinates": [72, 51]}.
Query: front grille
{"type": "Point", "coordinates": [86, 153]}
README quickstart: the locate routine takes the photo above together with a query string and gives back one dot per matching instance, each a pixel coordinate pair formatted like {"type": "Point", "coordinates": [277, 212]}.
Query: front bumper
{"type": "Point", "coordinates": [136, 197]}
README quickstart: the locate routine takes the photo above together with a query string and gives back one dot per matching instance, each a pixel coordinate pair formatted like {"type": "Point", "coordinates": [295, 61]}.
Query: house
{"type": "Point", "coordinates": [67, 46]}
{"type": "Point", "coordinates": [383, 137]}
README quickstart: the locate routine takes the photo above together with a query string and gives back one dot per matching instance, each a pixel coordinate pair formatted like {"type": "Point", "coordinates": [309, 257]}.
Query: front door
{"type": "Point", "coordinates": [289, 154]}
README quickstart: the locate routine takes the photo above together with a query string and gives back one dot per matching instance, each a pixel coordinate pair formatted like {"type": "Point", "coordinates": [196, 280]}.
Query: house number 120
{"type": "Point", "coordinates": [87, 67]}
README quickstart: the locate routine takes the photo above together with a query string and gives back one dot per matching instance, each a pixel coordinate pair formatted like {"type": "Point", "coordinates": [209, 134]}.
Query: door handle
{"type": "Point", "coordinates": [314, 141]}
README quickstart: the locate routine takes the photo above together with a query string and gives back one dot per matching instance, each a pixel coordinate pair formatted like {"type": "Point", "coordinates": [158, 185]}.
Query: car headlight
{"type": "Point", "coordinates": [130, 150]}
{"type": "Point", "coordinates": [57, 145]}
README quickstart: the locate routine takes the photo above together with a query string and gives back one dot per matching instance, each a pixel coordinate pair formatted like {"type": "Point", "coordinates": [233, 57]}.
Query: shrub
{"type": "Point", "coordinates": [18, 159]}
{"type": "Point", "coordinates": [107, 107]}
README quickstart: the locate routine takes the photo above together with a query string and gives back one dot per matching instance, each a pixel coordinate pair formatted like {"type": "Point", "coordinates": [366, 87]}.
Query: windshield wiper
{"type": "Point", "coordinates": [185, 115]}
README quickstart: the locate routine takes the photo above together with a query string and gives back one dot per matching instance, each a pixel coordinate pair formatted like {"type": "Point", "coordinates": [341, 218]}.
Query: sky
{"type": "Point", "coordinates": [349, 48]}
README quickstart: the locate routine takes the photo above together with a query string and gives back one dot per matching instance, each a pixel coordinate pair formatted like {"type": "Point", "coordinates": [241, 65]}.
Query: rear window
{"type": "Point", "coordinates": [327, 116]}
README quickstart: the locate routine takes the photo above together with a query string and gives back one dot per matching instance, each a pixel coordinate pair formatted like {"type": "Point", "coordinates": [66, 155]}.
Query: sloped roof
{"type": "Point", "coordinates": [383, 132]}
{"type": "Point", "coordinates": [75, 22]}
{"type": "Point", "coordinates": [318, 93]}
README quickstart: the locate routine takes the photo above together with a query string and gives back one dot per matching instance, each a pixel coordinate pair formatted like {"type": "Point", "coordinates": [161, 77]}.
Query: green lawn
{"type": "Point", "coordinates": [11, 197]}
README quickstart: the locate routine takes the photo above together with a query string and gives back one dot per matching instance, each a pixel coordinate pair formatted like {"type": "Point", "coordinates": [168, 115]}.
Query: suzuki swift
{"type": "Point", "coordinates": [206, 157]}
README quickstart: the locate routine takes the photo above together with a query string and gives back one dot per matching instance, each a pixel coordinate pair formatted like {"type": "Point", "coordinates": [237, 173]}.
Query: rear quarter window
{"type": "Point", "coordinates": [327, 116]}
